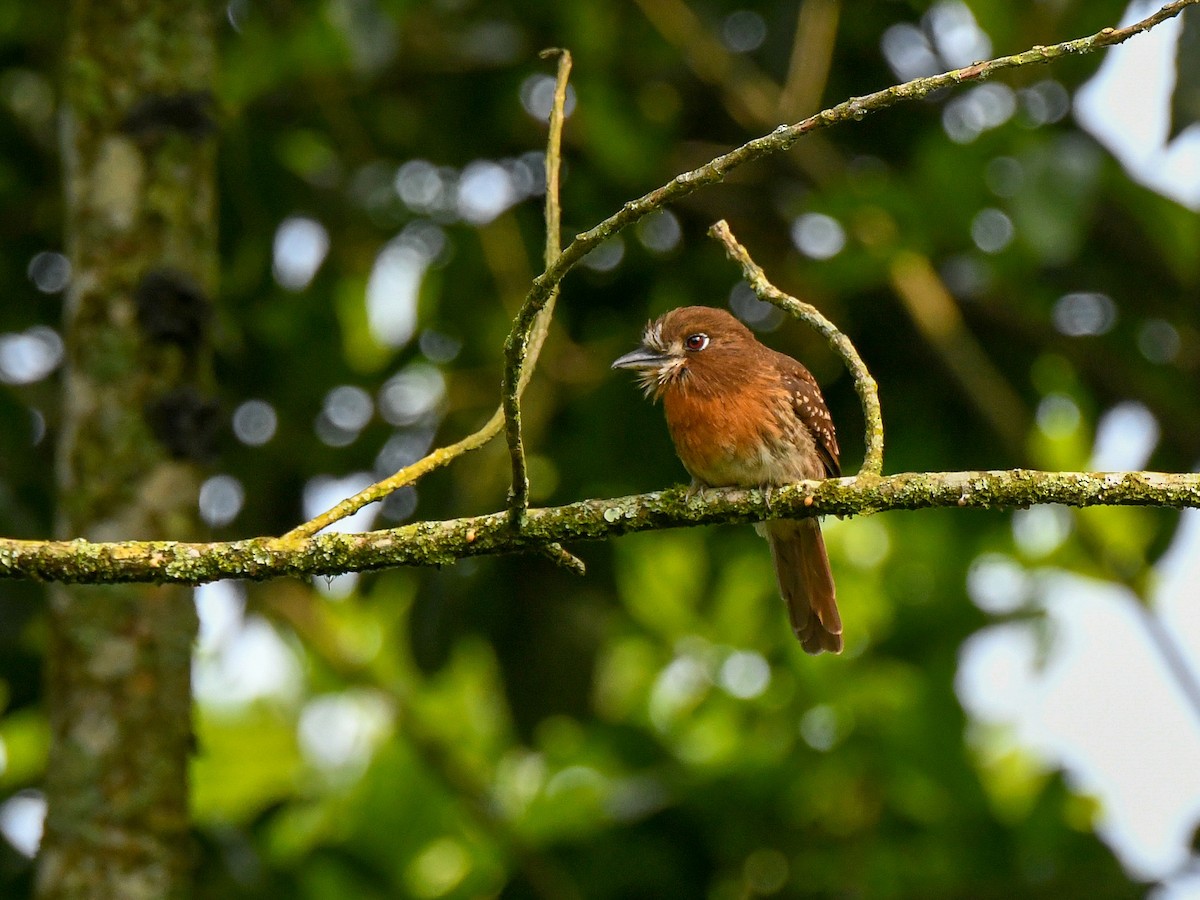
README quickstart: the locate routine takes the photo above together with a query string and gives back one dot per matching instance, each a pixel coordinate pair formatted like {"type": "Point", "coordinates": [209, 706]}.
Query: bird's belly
{"type": "Point", "coordinates": [748, 466]}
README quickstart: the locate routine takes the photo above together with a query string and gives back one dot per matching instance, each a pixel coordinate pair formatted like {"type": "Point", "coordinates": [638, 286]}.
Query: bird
{"type": "Point", "coordinates": [743, 415]}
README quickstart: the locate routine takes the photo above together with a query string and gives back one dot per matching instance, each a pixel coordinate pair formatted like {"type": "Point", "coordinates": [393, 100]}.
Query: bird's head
{"type": "Point", "coordinates": [693, 346]}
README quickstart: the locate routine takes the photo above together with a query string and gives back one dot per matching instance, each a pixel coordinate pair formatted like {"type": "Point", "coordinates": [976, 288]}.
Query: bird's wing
{"type": "Point", "coordinates": [809, 407]}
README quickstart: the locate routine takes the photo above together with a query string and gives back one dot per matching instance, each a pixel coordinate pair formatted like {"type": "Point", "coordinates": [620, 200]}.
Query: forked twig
{"type": "Point", "coordinates": [520, 355]}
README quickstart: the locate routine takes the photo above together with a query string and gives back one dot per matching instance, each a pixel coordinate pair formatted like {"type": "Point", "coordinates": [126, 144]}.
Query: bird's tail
{"type": "Point", "coordinates": [806, 582]}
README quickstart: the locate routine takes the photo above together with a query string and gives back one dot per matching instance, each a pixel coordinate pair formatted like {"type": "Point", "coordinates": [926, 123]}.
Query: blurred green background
{"type": "Point", "coordinates": [501, 727]}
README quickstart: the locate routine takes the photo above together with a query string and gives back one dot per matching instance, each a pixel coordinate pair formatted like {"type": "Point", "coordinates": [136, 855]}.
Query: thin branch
{"type": "Point", "coordinates": [1172, 654]}
{"type": "Point", "coordinates": [1109, 559]}
{"type": "Point", "coordinates": [519, 358]}
{"type": "Point", "coordinates": [545, 286]}
{"type": "Point", "coordinates": [422, 467]}
{"type": "Point", "coordinates": [868, 391]}
{"type": "Point", "coordinates": [442, 542]}
{"type": "Point", "coordinates": [564, 558]}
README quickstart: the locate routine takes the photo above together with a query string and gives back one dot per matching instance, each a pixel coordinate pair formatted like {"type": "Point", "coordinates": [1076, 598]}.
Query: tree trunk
{"type": "Point", "coordinates": [138, 155]}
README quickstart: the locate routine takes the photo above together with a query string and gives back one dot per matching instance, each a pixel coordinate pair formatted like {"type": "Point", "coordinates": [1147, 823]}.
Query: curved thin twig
{"type": "Point", "coordinates": [868, 390]}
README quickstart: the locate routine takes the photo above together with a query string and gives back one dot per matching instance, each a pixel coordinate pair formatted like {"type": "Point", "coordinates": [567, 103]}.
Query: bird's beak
{"type": "Point", "coordinates": [641, 358]}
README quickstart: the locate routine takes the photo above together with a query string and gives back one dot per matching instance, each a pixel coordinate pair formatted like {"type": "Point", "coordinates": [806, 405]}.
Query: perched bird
{"type": "Point", "coordinates": [741, 414]}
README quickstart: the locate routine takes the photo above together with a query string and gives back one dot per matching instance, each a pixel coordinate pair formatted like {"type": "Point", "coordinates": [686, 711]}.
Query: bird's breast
{"type": "Point", "coordinates": [747, 438]}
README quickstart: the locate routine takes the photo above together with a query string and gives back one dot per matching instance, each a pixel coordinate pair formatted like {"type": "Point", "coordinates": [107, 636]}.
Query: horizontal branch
{"type": "Point", "coordinates": [440, 542]}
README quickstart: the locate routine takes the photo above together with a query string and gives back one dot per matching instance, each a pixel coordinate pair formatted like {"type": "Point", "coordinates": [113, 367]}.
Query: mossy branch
{"type": "Point", "coordinates": [441, 542]}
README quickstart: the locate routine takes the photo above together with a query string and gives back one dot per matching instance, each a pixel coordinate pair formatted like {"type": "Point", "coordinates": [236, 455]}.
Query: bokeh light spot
{"type": "Point", "coordinates": [221, 499]}
{"type": "Point", "coordinates": [1045, 102]}
{"type": "Point", "coordinates": [1040, 530]}
{"type": "Point", "coordinates": [29, 356]}
{"type": "Point", "coordinates": [438, 869]}
{"type": "Point", "coordinates": [537, 97]}
{"type": "Point", "coordinates": [1158, 340]}
{"type": "Point", "coordinates": [744, 674]}
{"type": "Point", "coordinates": [1084, 313]}
{"type": "Point", "coordinates": [758, 314]}
{"type": "Point", "coordinates": [956, 35]}
{"type": "Point", "coordinates": [340, 731]}
{"type": "Point", "coordinates": [254, 422]}
{"type": "Point", "coordinates": [991, 230]}
{"type": "Point", "coordinates": [980, 109]}
{"type": "Point", "coordinates": [301, 245]}
{"type": "Point", "coordinates": [1058, 416]}
{"type": "Point", "coordinates": [818, 236]}
{"type": "Point", "coordinates": [1126, 435]}
{"type": "Point", "coordinates": [485, 190]}
{"type": "Point", "coordinates": [997, 584]}
{"type": "Point", "coordinates": [50, 272]}
{"type": "Point", "coordinates": [411, 394]}
{"type": "Point", "coordinates": [607, 256]}
{"type": "Point", "coordinates": [743, 31]}
{"type": "Point", "coordinates": [819, 727]}
{"type": "Point", "coordinates": [348, 407]}
{"type": "Point", "coordinates": [660, 231]}
{"type": "Point", "coordinates": [22, 817]}
{"type": "Point", "coordinates": [908, 52]}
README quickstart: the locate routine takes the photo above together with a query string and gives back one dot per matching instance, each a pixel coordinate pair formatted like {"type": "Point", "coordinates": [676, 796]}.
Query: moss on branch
{"type": "Point", "coordinates": [437, 543]}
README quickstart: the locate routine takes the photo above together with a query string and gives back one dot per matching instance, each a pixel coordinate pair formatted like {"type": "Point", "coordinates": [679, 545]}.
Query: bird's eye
{"type": "Point", "coordinates": [696, 342]}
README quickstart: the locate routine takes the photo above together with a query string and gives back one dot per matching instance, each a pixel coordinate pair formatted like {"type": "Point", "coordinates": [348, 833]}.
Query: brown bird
{"type": "Point", "coordinates": [741, 414]}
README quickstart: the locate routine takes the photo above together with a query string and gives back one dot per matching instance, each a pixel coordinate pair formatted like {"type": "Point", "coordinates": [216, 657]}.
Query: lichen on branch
{"type": "Point", "coordinates": [437, 543]}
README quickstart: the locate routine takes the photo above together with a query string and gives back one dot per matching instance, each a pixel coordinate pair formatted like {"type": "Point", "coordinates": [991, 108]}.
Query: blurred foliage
{"type": "Point", "coordinates": [501, 726]}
